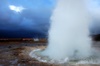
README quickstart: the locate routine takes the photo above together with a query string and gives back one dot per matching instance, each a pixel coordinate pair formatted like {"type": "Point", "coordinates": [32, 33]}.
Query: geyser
{"type": "Point", "coordinates": [69, 34]}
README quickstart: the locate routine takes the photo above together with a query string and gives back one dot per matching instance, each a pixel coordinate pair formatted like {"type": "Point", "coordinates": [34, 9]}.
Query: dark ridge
{"type": "Point", "coordinates": [21, 34]}
{"type": "Point", "coordinates": [96, 37]}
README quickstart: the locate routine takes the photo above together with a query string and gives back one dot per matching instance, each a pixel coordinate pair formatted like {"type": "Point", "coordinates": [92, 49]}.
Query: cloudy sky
{"type": "Point", "coordinates": [31, 18]}
{"type": "Point", "coordinates": [25, 18]}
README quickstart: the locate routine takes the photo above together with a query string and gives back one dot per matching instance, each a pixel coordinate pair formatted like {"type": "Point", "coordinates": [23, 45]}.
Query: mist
{"type": "Point", "coordinates": [69, 33]}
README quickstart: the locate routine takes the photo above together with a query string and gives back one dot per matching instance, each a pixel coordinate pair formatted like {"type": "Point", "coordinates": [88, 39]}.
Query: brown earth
{"type": "Point", "coordinates": [20, 57]}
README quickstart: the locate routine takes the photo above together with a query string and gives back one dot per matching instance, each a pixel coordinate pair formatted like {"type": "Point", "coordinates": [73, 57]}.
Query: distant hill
{"type": "Point", "coordinates": [96, 37]}
{"type": "Point", "coordinates": [21, 34]}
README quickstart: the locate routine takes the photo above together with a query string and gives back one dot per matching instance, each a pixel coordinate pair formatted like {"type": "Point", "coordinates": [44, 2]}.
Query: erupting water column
{"type": "Point", "coordinates": [69, 34]}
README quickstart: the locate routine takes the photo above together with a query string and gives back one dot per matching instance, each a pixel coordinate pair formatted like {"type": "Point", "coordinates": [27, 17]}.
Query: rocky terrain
{"type": "Point", "coordinates": [18, 55]}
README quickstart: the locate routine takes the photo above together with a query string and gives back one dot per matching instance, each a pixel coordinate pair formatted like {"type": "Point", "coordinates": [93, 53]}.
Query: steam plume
{"type": "Point", "coordinates": [69, 34]}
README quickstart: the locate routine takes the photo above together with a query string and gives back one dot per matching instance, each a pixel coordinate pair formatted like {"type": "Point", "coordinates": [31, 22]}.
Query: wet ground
{"type": "Point", "coordinates": [18, 55]}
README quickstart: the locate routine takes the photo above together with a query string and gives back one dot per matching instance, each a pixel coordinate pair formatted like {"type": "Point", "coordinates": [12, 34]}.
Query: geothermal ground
{"type": "Point", "coordinates": [18, 55]}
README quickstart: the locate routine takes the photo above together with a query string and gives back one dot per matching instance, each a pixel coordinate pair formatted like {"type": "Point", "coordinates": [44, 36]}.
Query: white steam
{"type": "Point", "coordinates": [69, 34]}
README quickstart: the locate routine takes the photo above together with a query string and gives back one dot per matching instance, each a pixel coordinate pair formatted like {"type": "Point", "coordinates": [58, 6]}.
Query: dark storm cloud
{"type": "Point", "coordinates": [34, 17]}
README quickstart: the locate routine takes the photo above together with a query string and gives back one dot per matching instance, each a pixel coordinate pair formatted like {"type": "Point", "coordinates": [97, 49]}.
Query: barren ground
{"type": "Point", "coordinates": [18, 55]}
